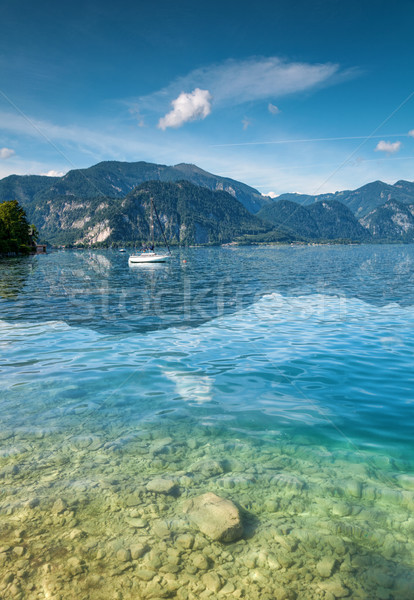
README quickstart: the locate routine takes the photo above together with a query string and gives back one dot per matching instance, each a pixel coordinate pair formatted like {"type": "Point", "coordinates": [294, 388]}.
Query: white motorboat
{"type": "Point", "coordinates": [148, 255]}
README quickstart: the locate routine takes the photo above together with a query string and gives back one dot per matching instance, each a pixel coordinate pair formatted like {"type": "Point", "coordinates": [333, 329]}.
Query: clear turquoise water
{"type": "Point", "coordinates": [289, 369]}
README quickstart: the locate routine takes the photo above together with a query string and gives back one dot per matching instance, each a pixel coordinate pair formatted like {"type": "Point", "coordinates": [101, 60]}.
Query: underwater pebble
{"type": "Point", "coordinates": [369, 492]}
{"type": "Point", "coordinates": [208, 467]}
{"type": "Point", "coordinates": [8, 578]}
{"type": "Point", "coordinates": [186, 481]}
{"type": "Point", "coordinates": [75, 565]}
{"type": "Point", "coordinates": [59, 506]}
{"type": "Point", "coordinates": [218, 518]}
{"type": "Point", "coordinates": [200, 562]}
{"type": "Point", "coordinates": [288, 481]}
{"type": "Point", "coordinates": [145, 574]}
{"type": "Point", "coordinates": [76, 534]}
{"type": "Point", "coordinates": [336, 589]}
{"type": "Point", "coordinates": [259, 576]}
{"type": "Point", "coordinates": [138, 550]}
{"type": "Point", "coordinates": [185, 541]}
{"type": "Point", "coordinates": [15, 590]}
{"type": "Point", "coordinates": [33, 502]}
{"type": "Point", "coordinates": [212, 582]}
{"type": "Point", "coordinates": [123, 555]}
{"type": "Point", "coordinates": [161, 446]}
{"type": "Point", "coordinates": [228, 588]}
{"type": "Point", "coordinates": [341, 509]}
{"type": "Point", "coordinates": [161, 486]}
{"type": "Point", "coordinates": [136, 522]}
{"type": "Point", "coordinates": [271, 505]}
{"type": "Point", "coordinates": [326, 566]}
{"type": "Point", "coordinates": [273, 563]}
{"type": "Point", "coordinates": [161, 529]}
{"type": "Point", "coordinates": [353, 488]}
{"type": "Point", "coordinates": [406, 482]}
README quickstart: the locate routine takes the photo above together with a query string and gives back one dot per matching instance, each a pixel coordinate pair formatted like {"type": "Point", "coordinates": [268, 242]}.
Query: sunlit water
{"type": "Point", "coordinates": [279, 378]}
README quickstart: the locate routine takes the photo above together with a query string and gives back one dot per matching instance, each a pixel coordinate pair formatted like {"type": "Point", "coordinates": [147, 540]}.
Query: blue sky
{"type": "Point", "coordinates": [283, 95]}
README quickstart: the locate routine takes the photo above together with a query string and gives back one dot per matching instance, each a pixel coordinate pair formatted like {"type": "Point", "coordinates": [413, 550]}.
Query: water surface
{"type": "Point", "coordinates": [279, 378]}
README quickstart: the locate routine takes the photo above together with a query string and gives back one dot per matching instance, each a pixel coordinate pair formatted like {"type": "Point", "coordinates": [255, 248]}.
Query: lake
{"type": "Point", "coordinates": [280, 378]}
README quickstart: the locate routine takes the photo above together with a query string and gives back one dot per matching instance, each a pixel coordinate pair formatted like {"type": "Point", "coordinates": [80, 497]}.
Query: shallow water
{"type": "Point", "coordinates": [279, 378]}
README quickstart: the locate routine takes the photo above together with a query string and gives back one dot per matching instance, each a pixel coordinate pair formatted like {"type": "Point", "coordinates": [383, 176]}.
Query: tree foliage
{"type": "Point", "coordinates": [14, 228]}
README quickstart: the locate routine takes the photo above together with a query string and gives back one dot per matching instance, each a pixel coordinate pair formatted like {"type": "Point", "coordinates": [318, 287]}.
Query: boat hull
{"type": "Point", "coordinates": [148, 258]}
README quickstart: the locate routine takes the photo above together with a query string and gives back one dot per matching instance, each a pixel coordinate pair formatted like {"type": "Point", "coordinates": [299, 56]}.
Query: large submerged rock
{"type": "Point", "coordinates": [218, 518]}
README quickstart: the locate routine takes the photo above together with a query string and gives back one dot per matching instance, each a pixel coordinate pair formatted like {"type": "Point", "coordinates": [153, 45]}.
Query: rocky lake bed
{"type": "Point", "coordinates": [155, 513]}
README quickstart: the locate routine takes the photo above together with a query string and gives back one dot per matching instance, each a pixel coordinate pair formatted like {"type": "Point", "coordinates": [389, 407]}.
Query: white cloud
{"type": "Point", "coordinates": [411, 133]}
{"type": "Point", "coordinates": [187, 107]}
{"type": "Point", "coordinates": [6, 153]}
{"type": "Point", "coordinates": [271, 195]}
{"type": "Point", "coordinates": [274, 110]}
{"type": "Point", "coordinates": [246, 123]}
{"type": "Point", "coordinates": [388, 147]}
{"type": "Point", "coordinates": [53, 173]}
{"type": "Point", "coordinates": [234, 82]}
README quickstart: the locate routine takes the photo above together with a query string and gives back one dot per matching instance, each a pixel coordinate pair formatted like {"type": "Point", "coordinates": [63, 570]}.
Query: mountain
{"type": "Point", "coordinates": [116, 179]}
{"type": "Point", "coordinates": [95, 205]}
{"type": "Point", "coordinates": [335, 221]}
{"type": "Point", "coordinates": [326, 220]}
{"type": "Point", "coordinates": [24, 188]}
{"type": "Point", "coordinates": [362, 200]}
{"type": "Point", "coordinates": [392, 221]}
{"type": "Point", "coordinates": [406, 187]}
{"type": "Point", "coordinates": [370, 196]}
{"type": "Point", "coordinates": [290, 215]}
{"type": "Point", "coordinates": [189, 214]}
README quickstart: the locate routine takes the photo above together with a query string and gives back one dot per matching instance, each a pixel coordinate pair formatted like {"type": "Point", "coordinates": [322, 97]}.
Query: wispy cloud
{"type": "Point", "coordinates": [187, 107]}
{"type": "Point", "coordinates": [388, 147]}
{"type": "Point", "coordinates": [274, 110]}
{"type": "Point", "coordinates": [411, 133]}
{"type": "Point", "coordinates": [134, 111]}
{"type": "Point", "coordinates": [95, 143]}
{"type": "Point", "coordinates": [6, 153]}
{"type": "Point", "coordinates": [234, 82]}
{"type": "Point", "coordinates": [246, 123]}
{"type": "Point", "coordinates": [308, 140]}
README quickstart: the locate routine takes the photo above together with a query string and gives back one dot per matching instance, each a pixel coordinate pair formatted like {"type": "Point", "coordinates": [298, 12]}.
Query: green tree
{"type": "Point", "coordinates": [14, 228]}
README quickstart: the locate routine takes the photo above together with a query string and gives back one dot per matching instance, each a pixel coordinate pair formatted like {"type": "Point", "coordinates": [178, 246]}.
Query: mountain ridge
{"type": "Point", "coordinates": [362, 200]}
{"type": "Point", "coordinates": [116, 179]}
{"type": "Point", "coordinates": [85, 207]}
{"type": "Point", "coordinates": [392, 221]}
{"type": "Point", "coordinates": [189, 214]}
{"type": "Point", "coordinates": [323, 220]}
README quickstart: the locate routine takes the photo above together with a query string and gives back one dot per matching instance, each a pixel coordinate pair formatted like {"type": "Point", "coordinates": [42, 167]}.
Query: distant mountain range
{"type": "Point", "coordinates": [109, 203]}
{"type": "Point", "coordinates": [377, 211]}
{"type": "Point", "coordinates": [364, 199]}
